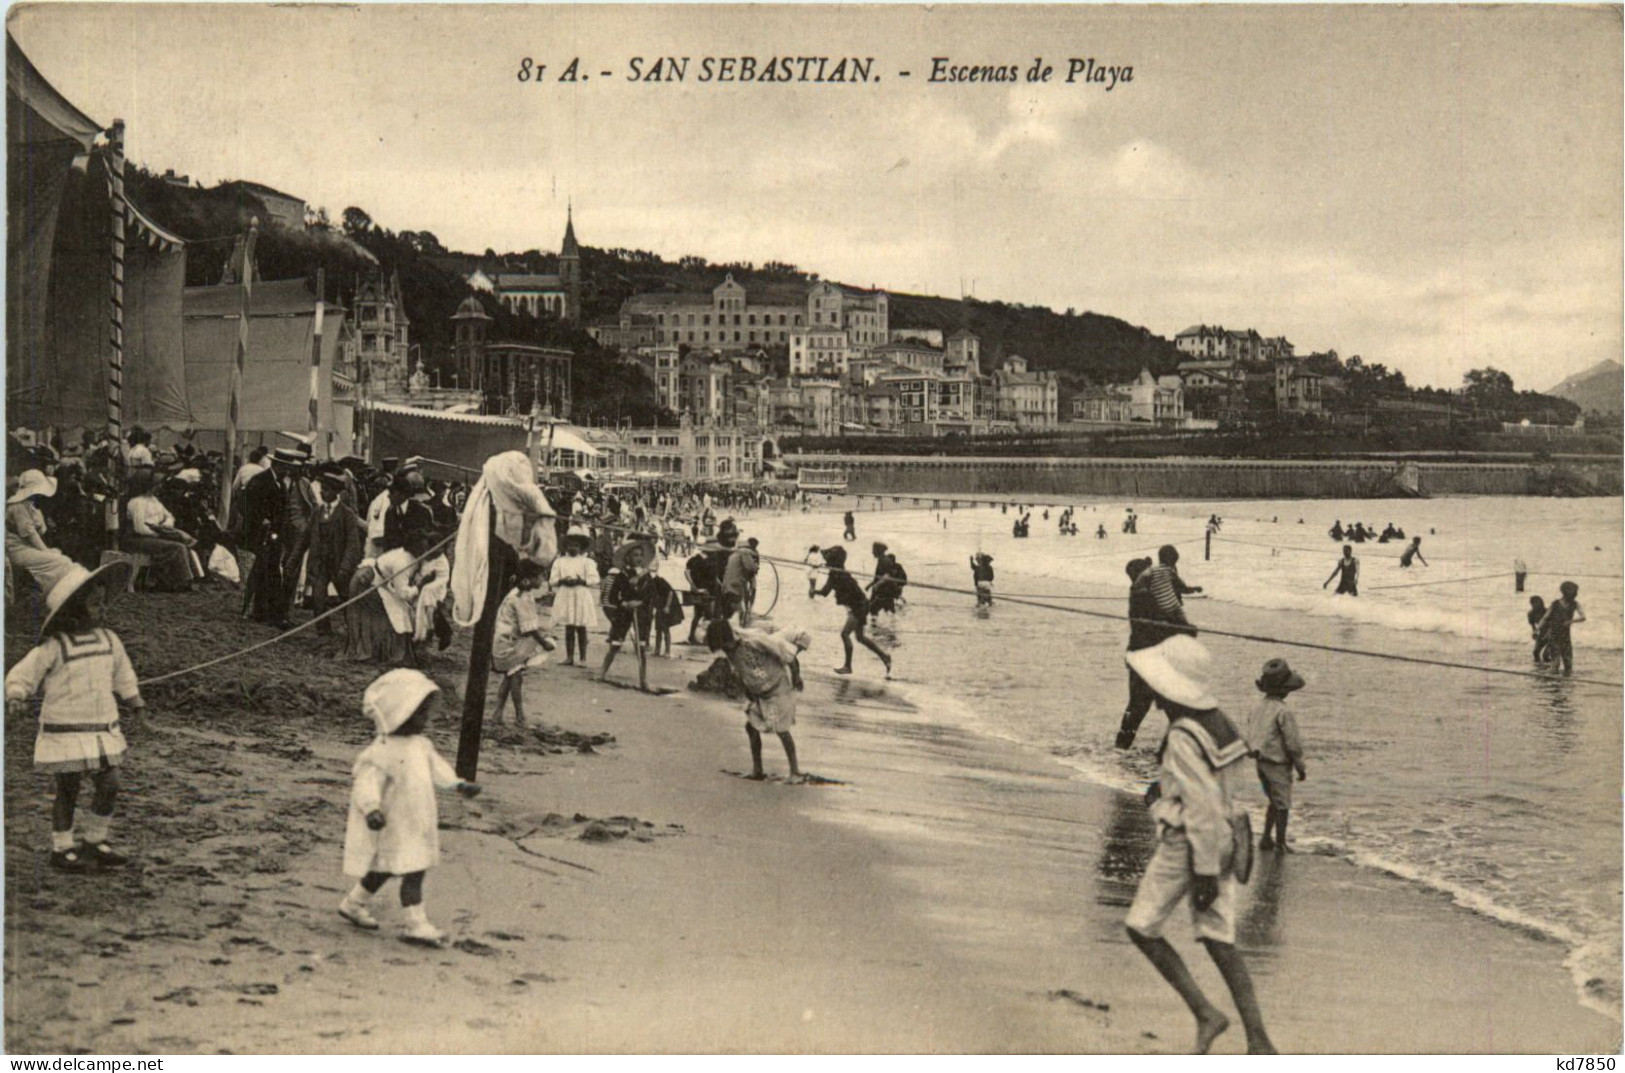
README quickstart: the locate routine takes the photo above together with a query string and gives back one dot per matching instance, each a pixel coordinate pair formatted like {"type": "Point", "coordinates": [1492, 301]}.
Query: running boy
{"type": "Point", "coordinates": [850, 596]}
{"type": "Point", "coordinates": [1195, 800]}
{"type": "Point", "coordinates": [1272, 733]}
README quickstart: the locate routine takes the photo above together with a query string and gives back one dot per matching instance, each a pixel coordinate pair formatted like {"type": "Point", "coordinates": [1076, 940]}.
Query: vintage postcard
{"type": "Point", "coordinates": [829, 529]}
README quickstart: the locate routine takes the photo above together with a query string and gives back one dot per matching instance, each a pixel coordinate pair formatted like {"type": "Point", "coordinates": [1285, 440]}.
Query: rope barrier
{"type": "Point", "coordinates": [1393, 656]}
{"type": "Point", "coordinates": [228, 657]}
{"type": "Point", "coordinates": [1020, 600]}
{"type": "Point", "coordinates": [1446, 581]}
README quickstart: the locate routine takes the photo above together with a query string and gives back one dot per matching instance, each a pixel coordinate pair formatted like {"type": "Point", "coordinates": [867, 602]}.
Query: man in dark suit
{"type": "Point", "coordinates": [406, 513]}
{"type": "Point", "coordinates": [266, 534]}
{"type": "Point", "coordinates": [337, 537]}
{"type": "Point", "coordinates": [301, 504]}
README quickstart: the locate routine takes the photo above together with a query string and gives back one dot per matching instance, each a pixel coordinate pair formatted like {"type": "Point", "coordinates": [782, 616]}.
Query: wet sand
{"type": "Point", "coordinates": [949, 893]}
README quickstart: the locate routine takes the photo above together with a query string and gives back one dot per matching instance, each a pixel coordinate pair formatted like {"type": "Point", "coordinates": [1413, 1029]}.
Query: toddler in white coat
{"type": "Point", "coordinates": [394, 825]}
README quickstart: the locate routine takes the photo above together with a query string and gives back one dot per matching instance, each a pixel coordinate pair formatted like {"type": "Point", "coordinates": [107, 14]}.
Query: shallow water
{"type": "Point", "coordinates": [1501, 790]}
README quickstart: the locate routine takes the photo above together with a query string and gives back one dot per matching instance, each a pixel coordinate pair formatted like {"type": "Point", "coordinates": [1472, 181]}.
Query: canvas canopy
{"type": "Point", "coordinates": [276, 378]}
{"type": "Point", "coordinates": [44, 135]}
{"type": "Point", "coordinates": [66, 384]}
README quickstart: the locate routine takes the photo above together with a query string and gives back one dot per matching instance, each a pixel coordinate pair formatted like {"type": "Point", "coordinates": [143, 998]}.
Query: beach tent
{"type": "Point", "coordinates": [459, 440]}
{"type": "Point", "coordinates": [45, 134]}
{"type": "Point", "coordinates": [276, 377]}
{"type": "Point", "coordinates": [67, 386]}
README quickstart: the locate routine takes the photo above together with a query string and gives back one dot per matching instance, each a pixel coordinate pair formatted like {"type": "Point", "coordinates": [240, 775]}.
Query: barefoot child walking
{"type": "Point", "coordinates": [769, 666]}
{"type": "Point", "coordinates": [85, 676]}
{"type": "Point", "coordinates": [394, 824]}
{"type": "Point", "coordinates": [1272, 733]}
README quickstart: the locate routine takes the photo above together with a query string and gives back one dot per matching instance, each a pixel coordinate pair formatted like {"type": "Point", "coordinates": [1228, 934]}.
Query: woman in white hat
{"type": "Point", "coordinates": [81, 667]}
{"type": "Point", "coordinates": [1202, 850]}
{"type": "Point", "coordinates": [25, 531]}
{"type": "Point", "coordinates": [394, 824]}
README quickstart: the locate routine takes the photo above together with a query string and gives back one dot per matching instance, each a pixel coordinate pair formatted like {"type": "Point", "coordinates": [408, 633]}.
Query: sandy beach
{"type": "Point", "coordinates": [941, 892]}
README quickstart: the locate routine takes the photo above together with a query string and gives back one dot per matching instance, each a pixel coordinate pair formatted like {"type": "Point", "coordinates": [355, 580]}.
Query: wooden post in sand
{"type": "Point", "coordinates": [501, 564]}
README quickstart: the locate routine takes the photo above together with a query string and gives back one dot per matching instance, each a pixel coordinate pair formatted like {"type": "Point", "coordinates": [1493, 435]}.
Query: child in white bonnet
{"type": "Point", "coordinates": [394, 825]}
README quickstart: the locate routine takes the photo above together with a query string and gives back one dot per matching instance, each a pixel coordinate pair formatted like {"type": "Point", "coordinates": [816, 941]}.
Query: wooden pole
{"type": "Point", "coordinates": [234, 400]}
{"type": "Point", "coordinates": [502, 563]}
{"type": "Point", "coordinates": [316, 363]}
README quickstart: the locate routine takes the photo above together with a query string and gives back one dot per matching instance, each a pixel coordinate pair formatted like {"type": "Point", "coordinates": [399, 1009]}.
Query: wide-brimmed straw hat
{"type": "Point", "coordinates": [115, 575]}
{"type": "Point", "coordinates": [394, 697]}
{"type": "Point", "coordinates": [1177, 671]}
{"type": "Point", "coordinates": [285, 457]}
{"type": "Point", "coordinates": [30, 483]}
{"type": "Point", "coordinates": [1278, 677]}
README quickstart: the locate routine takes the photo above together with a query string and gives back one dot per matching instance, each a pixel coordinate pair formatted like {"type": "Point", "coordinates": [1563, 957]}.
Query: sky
{"type": "Point", "coordinates": [1434, 188]}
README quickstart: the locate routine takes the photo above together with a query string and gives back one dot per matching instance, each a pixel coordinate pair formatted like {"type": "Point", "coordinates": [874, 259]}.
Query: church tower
{"type": "Point", "coordinates": [570, 269]}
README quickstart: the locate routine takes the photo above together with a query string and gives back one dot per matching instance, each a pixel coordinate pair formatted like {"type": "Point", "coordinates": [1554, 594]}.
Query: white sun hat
{"type": "Point", "coordinates": [33, 482]}
{"type": "Point", "coordinates": [74, 581]}
{"type": "Point", "coordinates": [394, 697]}
{"type": "Point", "coordinates": [1177, 671]}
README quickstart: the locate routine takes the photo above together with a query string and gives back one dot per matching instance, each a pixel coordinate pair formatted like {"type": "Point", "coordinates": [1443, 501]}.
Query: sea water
{"type": "Point", "coordinates": [1502, 791]}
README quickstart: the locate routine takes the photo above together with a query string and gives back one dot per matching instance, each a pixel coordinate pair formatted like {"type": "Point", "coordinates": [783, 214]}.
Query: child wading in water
{"type": "Point", "coordinates": [981, 572]}
{"type": "Point", "coordinates": [1537, 615]}
{"type": "Point", "coordinates": [85, 676]}
{"type": "Point", "coordinates": [519, 643]}
{"type": "Point", "coordinates": [1272, 732]}
{"type": "Point", "coordinates": [769, 666]}
{"type": "Point", "coordinates": [1347, 572]}
{"type": "Point", "coordinates": [575, 605]}
{"type": "Point", "coordinates": [394, 825]}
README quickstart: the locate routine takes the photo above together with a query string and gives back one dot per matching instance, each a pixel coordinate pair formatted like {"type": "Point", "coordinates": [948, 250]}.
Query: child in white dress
{"type": "Point", "coordinates": [575, 601]}
{"type": "Point", "coordinates": [519, 643]}
{"type": "Point", "coordinates": [85, 675]}
{"type": "Point", "coordinates": [394, 824]}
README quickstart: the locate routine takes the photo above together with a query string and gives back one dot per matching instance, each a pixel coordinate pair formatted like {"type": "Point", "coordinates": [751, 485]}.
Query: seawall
{"type": "Point", "coordinates": [1205, 478]}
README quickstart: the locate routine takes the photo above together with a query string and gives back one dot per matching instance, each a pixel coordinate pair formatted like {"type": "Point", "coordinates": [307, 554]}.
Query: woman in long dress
{"type": "Point", "coordinates": [379, 626]}
{"type": "Point", "coordinates": [25, 531]}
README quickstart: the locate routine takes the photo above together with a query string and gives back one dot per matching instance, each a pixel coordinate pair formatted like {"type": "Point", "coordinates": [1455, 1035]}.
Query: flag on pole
{"type": "Point", "coordinates": [316, 360]}
{"type": "Point", "coordinates": [234, 399]}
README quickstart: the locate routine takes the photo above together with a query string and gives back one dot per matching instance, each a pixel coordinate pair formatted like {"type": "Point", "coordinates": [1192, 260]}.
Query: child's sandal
{"type": "Point", "coordinates": [104, 856]}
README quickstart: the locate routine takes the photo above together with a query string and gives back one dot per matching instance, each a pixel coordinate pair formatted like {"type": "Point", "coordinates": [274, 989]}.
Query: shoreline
{"type": "Point", "coordinates": [949, 892]}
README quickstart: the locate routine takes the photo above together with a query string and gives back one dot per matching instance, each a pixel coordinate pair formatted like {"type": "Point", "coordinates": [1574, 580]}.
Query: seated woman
{"type": "Point", "coordinates": [381, 625]}
{"type": "Point", "coordinates": [25, 531]}
{"type": "Point", "coordinates": [152, 533]}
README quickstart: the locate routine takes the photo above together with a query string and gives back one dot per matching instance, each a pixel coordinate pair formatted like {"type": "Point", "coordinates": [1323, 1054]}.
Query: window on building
{"type": "Point", "coordinates": [751, 319]}
{"type": "Point", "coordinates": [705, 318]}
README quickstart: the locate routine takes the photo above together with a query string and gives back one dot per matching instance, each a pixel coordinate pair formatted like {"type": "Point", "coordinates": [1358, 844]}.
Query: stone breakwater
{"type": "Point", "coordinates": [1203, 478]}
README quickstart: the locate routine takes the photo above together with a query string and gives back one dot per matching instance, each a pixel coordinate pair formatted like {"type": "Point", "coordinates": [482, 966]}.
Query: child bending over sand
{"type": "Point", "coordinates": [769, 666]}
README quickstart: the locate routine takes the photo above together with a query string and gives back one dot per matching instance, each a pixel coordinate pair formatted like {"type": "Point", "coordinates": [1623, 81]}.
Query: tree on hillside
{"type": "Point", "coordinates": [356, 221]}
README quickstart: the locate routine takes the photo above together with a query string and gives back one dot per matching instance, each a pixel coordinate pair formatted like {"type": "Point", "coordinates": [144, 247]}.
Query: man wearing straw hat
{"type": "Point", "coordinates": [1204, 844]}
